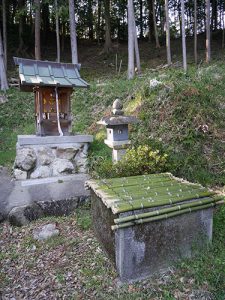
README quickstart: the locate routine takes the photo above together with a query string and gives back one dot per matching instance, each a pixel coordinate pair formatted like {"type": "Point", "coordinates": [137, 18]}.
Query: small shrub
{"type": "Point", "coordinates": [141, 160]}
{"type": "Point", "coordinates": [137, 161]}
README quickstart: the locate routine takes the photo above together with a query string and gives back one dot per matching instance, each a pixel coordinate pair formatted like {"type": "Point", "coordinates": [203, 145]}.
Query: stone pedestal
{"type": "Point", "coordinates": [50, 156]}
{"type": "Point", "coordinates": [119, 148]}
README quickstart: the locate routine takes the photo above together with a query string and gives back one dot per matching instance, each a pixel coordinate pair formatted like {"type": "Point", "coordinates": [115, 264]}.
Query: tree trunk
{"type": "Point", "coordinates": [195, 33]}
{"type": "Point", "coordinates": [45, 14]}
{"type": "Point", "coordinates": [179, 16]}
{"type": "Point", "coordinates": [63, 29]}
{"type": "Point", "coordinates": [150, 21]}
{"type": "Point", "coordinates": [137, 54]}
{"type": "Point", "coordinates": [73, 34]}
{"type": "Point", "coordinates": [99, 20]}
{"type": "Point", "coordinates": [130, 73]}
{"type": "Point", "coordinates": [4, 32]}
{"type": "Point", "coordinates": [155, 26]}
{"type": "Point", "coordinates": [21, 4]}
{"type": "Point", "coordinates": [3, 77]}
{"type": "Point", "coordinates": [183, 37]}
{"type": "Point", "coordinates": [223, 16]}
{"type": "Point", "coordinates": [167, 26]}
{"type": "Point", "coordinates": [214, 15]}
{"type": "Point", "coordinates": [37, 30]}
{"type": "Point", "coordinates": [208, 38]}
{"type": "Point", "coordinates": [90, 20]}
{"type": "Point", "coordinates": [108, 42]}
{"type": "Point", "coordinates": [141, 19]}
{"type": "Point", "coordinates": [57, 30]}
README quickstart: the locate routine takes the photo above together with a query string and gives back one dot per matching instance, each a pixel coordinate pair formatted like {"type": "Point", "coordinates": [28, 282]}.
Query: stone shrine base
{"type": "Point", "coordinates": [50, 156]}
{"type": "Point", "coordinates": [32, 199]}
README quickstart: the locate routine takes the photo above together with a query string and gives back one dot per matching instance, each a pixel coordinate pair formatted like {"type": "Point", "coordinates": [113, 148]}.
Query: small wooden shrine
{"type": "Point", "coordinates": [52, 84]}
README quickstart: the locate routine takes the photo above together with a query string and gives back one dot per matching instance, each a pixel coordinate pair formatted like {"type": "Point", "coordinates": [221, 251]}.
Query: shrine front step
{"type": "Point", "coordinates": [56, 196]}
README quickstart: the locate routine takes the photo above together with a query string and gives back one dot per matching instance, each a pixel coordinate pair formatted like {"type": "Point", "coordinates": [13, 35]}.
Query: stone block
{"type": "Point", "coordinates": [20, 174]}
{"type": "Point", "coordinates": [45, 156]}
{"type": "Point", "coordinates": [25, 140]}
{"type": "Point", "coordinates": [46, 232]}
{"type": "Point", "coordinates": [67, 152]}
{"type": "Point", "coordinates": [23, 215]}
{"type": "Point", "coordinates": [61, 166]}
{"type": "Point", "coordinates": [25, 158]}
{"type": "Point", "coordinates": [142, 250]}
{"type": "Point", "coordinates": [41, 172]}
{"type": "Point", "coordinates": [62, 207]}
{"type": "Point", "coordinates": [117, 155]}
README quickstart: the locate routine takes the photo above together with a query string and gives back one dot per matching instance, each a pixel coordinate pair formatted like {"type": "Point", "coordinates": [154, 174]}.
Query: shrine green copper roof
{"type": "Point", "coordinates": [163, 195]}
{"type": "Point", "coordinates": [47, 73]}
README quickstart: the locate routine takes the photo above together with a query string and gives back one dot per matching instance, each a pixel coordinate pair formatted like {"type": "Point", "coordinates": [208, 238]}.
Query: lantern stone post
{"type": "Point", "coordinates": [117, 130]}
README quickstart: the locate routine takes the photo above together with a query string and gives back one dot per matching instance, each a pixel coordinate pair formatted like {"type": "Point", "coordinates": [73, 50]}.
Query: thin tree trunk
{"type": "Point", "coordinates": [151, 35]}
{"type": "Point", "coordinates": [195, 33]}
{"type": "Point", "coordinates": [4, 32]}
{"type": "Point", "coordinates": [223, 16]}
{"type": "Point", "coordinates": [137, 54]}
{"type": "Point", "coordinates": [108, 42]}
{"type": "Point", "coordinates": [99, 20]}
{"type": "Point", "coordinates": [63, 36]}
{"type": "Point", "coordinates": [90, 20]}
{"type": "Point", "coordinates": [167, 25]}
{"type": "Point", "coordinates": [155, 26]}
{"type": "Point", "coordinates": [73, 35]}
{"type": "Point", "coordinates": [183, 37]}
{"type": "Point", "coordinates": [37, 30]}
{"type": "Point", "coordinates": [141, 19]}
{"type": "Point", "coordinates": [130, 73]}
{"type": "Point", "coordinates": [57, 30]}
{"type": "Point", "coordinates": [208, 38]}
{"type": "Point", "coordinates": [3, 77]}
{"type": "Point", "coordinates": [179, 15]}
{"type": "Point", "coordinates": [45, 16]}
{"type": "Point", "coordinates": [214, 15]}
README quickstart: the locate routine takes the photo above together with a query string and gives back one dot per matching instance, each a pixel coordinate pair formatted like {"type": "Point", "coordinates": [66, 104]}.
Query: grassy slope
{"type": "Point", "coordinates": [171, 116]}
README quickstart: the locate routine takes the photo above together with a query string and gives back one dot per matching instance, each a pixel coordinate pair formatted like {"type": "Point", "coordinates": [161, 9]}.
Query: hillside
{"type": "Point", "coordinates": [183, 115]}
{"type": "Point", "coordinates": [172, 114]}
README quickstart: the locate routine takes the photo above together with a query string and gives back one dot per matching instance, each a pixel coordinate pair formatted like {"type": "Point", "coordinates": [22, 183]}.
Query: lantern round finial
{"type": "Point", "coordinates": [117, 107]}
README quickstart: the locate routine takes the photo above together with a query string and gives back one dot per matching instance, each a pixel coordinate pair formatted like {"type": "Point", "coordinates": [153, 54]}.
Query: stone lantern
{"type": "Point", "coordinates": [117, 130]}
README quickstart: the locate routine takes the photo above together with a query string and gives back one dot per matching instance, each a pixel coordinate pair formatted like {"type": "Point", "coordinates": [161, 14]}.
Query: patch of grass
{"type": "Point", "coordinates": [83, 217]}
{"type": "Point", "coordinates": [17, 117]}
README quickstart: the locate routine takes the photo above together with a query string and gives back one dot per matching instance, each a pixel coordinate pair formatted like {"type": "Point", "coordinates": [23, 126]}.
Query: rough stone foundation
{"type": "Point", "coordinates": [50, 156]}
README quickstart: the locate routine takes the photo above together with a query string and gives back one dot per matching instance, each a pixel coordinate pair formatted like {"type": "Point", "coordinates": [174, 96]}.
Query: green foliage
{"type": "Point", "coordinates": [209, 267]}
{"type": "Point", "coordinates": [137, 160]}
{"type": "Point", "coordinates": [16, 118]}
{"type": "Point", "coordinates": [83, 217]}
{"type": "Point", "coordinates": [141, 160]}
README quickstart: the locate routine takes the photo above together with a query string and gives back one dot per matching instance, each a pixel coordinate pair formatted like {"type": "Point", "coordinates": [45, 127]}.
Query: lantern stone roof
{"type": "Point", "coordinates": [49, 74]}
{"type": "Point", "coordinates": [118, 120]}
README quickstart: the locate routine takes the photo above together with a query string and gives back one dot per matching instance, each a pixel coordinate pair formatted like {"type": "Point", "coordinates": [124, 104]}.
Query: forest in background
{"type": "Point", "coordinates": [30, 27]}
